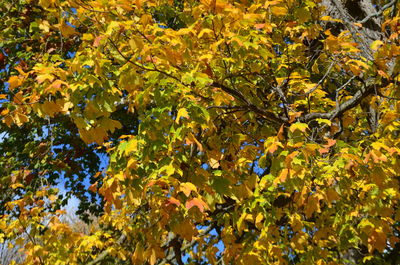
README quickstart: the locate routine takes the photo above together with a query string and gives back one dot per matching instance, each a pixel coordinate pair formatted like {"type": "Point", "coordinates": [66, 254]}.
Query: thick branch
{"type": "Point", "coordinates": [339, 110]}
{"type": "Point", "coordinates": [361, 36]}
{"type": "Point", "coordinates": [380, 12]}
{"type": "Point", "coordinates": [177, 247]}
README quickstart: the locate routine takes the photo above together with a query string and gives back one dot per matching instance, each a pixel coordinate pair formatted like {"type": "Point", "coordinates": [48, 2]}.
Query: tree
{"type": "Point", "coordinates": [234, 132]}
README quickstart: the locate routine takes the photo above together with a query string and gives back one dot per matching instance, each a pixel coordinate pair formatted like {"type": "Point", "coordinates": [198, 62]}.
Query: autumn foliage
{"type": "Point", "coordinates": [201, 131]}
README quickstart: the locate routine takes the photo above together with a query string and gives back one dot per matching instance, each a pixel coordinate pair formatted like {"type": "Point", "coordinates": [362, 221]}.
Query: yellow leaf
{"type": "Point", "coordinates": [366, 226]}
{"type": "Point", "coordinates": [185, 229]}
{"type": "Point", "coordinates": [332, 195]}
{"type": "Point", "coordinates": [378, 146]}
{"type": "Point", "coordinates": [187, 188]}
{"type": "Point", "coordinates": [97, 135]}
{"type": "Point", "coordinates": [312, 206]}
{"type": "Point", "coordinates": [8, 120]}
{"type": "Point", "coordinates": [271, 3]}
{"type": "Point", "coordinates": [367, 258]}
{"type": "Point", "coordinates": [20, 119]}
{"type": "Point", "coordinates": [153, 257]}
{"type": "Point", "coordinates": [203, 32]}
{"type": "Point", "coordinates": [43, 77]}
{"type": "Point", "coordinates": [87, 37]}
{"type": "Point", "coordinates": [131, 146]}
{"type": "Point", "coordinates": [216, 44]}
{"type": "Point", "coordinates": [17, 185]}
{"type": "Point", "coordinates": [45, 26]}
{"type": "Point", "coordinates": [55, 86]}
{"type": "Point", "coordinates": [303, 15]}
{"type": "Point", "coordinates": [258, 220]}
{"type": "Point", "coordinates": [20, 71]}
{"type": "Point", "coordinates": [64, 106]}
{"type": "Point", "coordinates": [14, 81]}
{"type": "Point", "coordinates": [184, 31]}
{"type": "Point", "coordinates": [168, 169]}
{"type": "Point", "coordinates": [50, 108]}
{"type": "Point", "coordinates": [240, 223]}
{"type": "Point", "coordinates": [296, 223]}
{"type": "Point", "coordinates": [328, 18]}
{"type": "Point", "coordinates": [324, 121]}
{"type": "Point", "coordinates": [278, 10]}
{"type": "Point", "coordinates": [4, 112]}
{"type": "Point", "coordinates": [298, 126]}
{"type": "Point", "coordinates": [182, 112]}
{"type": "Point", "coordinates": [376, 44]}
{"type": "Point", "coordinates": [310, 149]}
{"type": "Point", "coordinates": [67, 31]}
{"type": "Point", "coordinates": [136, 43]}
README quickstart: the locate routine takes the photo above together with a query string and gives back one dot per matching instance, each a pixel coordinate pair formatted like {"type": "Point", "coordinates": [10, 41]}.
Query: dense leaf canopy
{"type": "Point", "coordinates": [201, 131]}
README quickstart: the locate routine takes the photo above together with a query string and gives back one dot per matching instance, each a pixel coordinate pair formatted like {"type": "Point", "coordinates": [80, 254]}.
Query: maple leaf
{"type": "Point", "coordinates": [196, 202]}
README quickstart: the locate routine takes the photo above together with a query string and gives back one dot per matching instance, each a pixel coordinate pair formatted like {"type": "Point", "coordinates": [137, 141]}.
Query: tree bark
{"type": "Point", "coordinates": [352, 13]}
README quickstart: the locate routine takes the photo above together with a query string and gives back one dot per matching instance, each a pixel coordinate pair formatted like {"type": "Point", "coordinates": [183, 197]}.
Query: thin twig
{"type": "Point", "coordinates": [226, 107]}
{"type": "Point", "coordinates": [320, 81]}
{"type": "Point", "coordinates": [238, 95]}
{"type": "Point", "coordinates": [141, 66]}
{"type": "Point", "coordinates": [342, 87]}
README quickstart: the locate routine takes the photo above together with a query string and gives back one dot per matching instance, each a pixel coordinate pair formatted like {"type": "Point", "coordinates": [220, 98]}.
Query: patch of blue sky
{"type": "Point", "coordinates": [71, 55]}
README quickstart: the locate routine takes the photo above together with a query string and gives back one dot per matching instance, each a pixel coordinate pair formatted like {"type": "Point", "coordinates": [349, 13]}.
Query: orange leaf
{"type": "Point", "coordinates": [198, 203]}
{"type": "Point", "coordinates": [282, 176]}
{"type": "Point", "coordinates": [97, 40]}
{"type": "Point", "coordinates": [172, 201]}
{"type": "Point", "coordinates": [259, 26]}
{"type": "Point", "coordinates": [93, 187]}
{"type": "Point", "coordinates": [280, 134]}
{"type": "Point", "coordinates": [331, 142]}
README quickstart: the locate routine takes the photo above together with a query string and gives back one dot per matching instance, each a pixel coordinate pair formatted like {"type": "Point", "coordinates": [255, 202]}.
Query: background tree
{"type": "Point", "coordinates": [236, 132]}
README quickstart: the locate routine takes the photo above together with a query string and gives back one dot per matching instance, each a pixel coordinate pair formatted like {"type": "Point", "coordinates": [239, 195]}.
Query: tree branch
{"type": "Point", "coordinates": [177, 247]}
{"type": "Point", "coordinates": [141, 66]}
{"type": "Point", "coordinates": [320, 81]}
{"type": "Point", "coordinates": [238, 95]}
{"type": "Point", "coordinates": [380, 12]}
{"type": "Point", "coordinates": [340, 109]}
{"type": "Point", "coordinates": [105, 253]}
{"type": "Point", "coordinates": [171, 256]}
